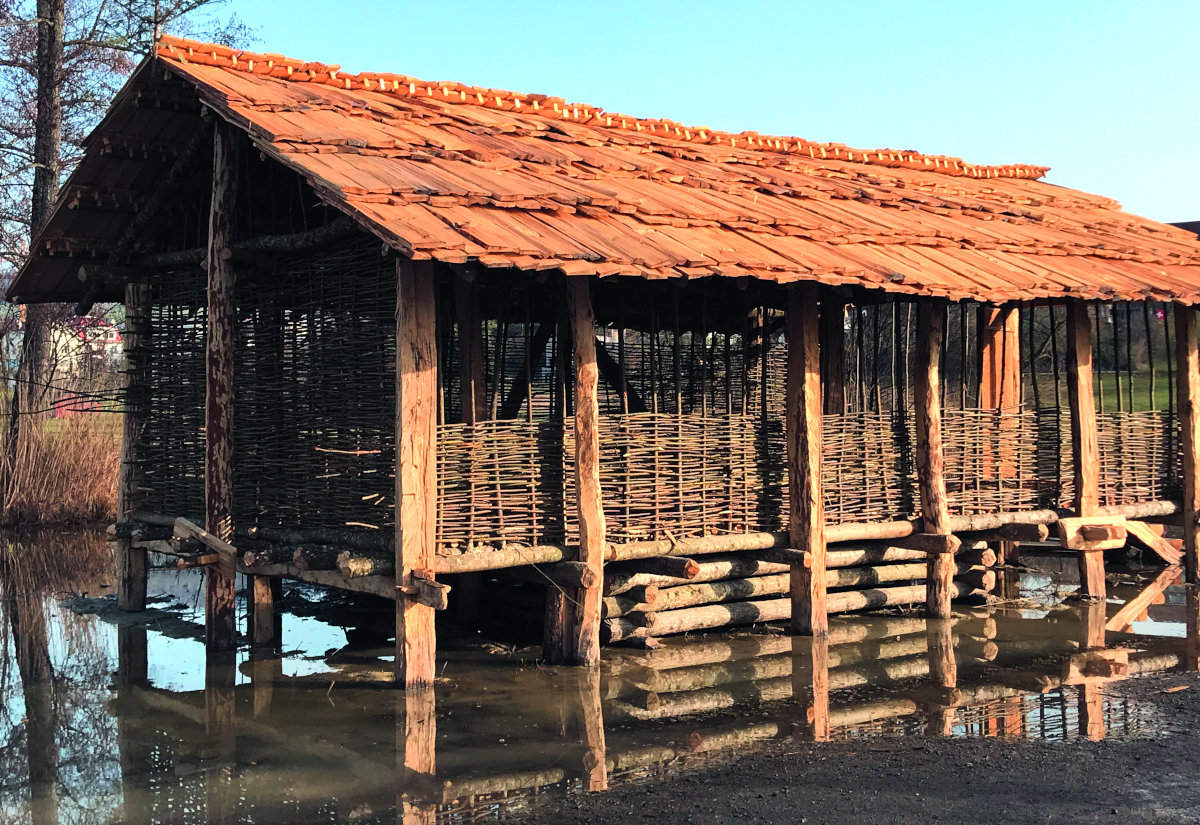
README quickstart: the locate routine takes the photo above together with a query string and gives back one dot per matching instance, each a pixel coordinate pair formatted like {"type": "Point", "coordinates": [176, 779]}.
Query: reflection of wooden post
{"type": "Point", "coordinates": [131, 561]}
{"type": "Point", "coordinates": [31, 643]}
{"type": "Point", "coordinates": [416, 753]}
{"type": "Point", "coordinates": [935, 509]}
{"type": "Point", "coordinates": [1084, 439]}
{"type": "Point", "coordinates": [1091, 711]}
{"type": "Point", "coordinates": [1188, 358]}
{"type": "Point", "coordinates": [810, 684]}
{"type": "Point", "coordinates": [591, 719]}
{"type": "Point", "coordinates": [833, 353]}
{"type": "Point", "coordinates": [1192, 645]}
{"type": "Point", "coordinates": [1000, 379]}
{"type": "Point", "coordinates": [265, 671]}
{"type": "Point", "coordinates": [218, 415]}
{"type": "Point", "coordinates": [220, 706]}
{"type": "Point", "coordinates": [586, 635]}
{"type": "Point", "coordinates": [943, 669]}
{"type": "Point", "coordinates": [132, 665]}
{"type": "Point", "coordinates": [806, 506]}
{"type": "Point", "coordinates": [416, 466]}
{"type": "Point", "coordinates": [131, 753]}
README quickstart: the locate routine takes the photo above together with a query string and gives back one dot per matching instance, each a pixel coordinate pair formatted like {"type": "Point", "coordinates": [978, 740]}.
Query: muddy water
{"type": "Point", "coordinates": [108, 717]}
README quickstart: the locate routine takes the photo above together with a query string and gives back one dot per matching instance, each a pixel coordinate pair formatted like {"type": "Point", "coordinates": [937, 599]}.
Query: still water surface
{"type": "Point", "coordinates": [113, 718]}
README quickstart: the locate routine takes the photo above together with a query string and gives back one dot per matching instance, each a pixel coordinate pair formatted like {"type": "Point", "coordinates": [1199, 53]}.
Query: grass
{"type": "Point", "coordinates": [1106, 383]}
{"type": "Point", "coordinates": [65, 470]}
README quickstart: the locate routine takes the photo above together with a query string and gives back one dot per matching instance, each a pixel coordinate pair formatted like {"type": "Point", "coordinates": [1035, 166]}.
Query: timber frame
{"type": "Point", "coordinates": [660, 455]}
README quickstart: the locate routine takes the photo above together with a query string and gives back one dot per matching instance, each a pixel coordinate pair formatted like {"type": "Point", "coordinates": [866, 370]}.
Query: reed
{"type": "Point", "coordinates": [64, 470]}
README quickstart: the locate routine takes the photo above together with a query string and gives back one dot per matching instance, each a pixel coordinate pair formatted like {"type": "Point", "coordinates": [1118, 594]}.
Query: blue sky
{"type": "Point", "coordinates": [1105, 93]}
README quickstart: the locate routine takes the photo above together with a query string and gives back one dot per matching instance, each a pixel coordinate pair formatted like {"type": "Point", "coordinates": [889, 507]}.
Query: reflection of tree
{"type": "Point", "coordinates": [59, 751]}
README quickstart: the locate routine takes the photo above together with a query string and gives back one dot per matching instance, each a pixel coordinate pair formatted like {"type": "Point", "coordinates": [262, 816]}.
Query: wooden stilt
{"type": "Point", "coordinates": [935, 509]}
{"type": "Point", "coordinates": [264, 630]}
{"type": "Point", "coordinates": [131, 561]}
{"type": "Point", "coordinates": [586, 637]}
{"type": "Point", "coordinates": [416, 467]}
{"type": "Point", "coordinates": [833, 353]}
{"type": "Point", "coordinates": [1084, 439]}
{"type": "Point", "coordinates": [806, 508]}
{"type": "Point", "coordinates": [1188, 358]}
{"type": "Point", "coordinates": [218, 418]}
{"type": "Point", "coordinates": [1000, 377]}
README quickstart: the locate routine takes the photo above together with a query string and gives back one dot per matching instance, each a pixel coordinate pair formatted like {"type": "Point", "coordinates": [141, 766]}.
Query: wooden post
{"type": "Point", "coordinates": [935, 509]}
{"type": "Point", "coordinates": [586, 636]}
{"type": "Point", "coordinates": [833, 353]}
{"type": "Point", "coordinates": [416, 466]}
{"type": "Point", "coordinates": [218, 416]}
{"type": "Point", "coordinates": [806, 507]}
{"type": "Point", "coordinates": [131, 561]}
{"type": "Point", "coordinates": [265, 623]}
{"type": "Point", "coordinates": [1084, 439]}
{"type": "Point", "coordinates": [1000, 378]}
{"type": "Point", "coordinates": [1188, 358]}
{"type": "Point", "coordinates": [470, 347]}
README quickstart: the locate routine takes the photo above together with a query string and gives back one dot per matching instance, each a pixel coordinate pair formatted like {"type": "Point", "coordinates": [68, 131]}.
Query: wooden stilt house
{"type": "Point", "coordinates": [383, 331]}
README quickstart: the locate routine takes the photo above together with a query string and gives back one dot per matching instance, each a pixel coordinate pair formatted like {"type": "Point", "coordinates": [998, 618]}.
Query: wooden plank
{"type": "Point", "coordinates": [1133, 608]}
{"type": "Point", "coordinates": [218, 409]}
{"type": "Point", "coordinates": [131, 561]}
{"type": "Point", "coordinates": [1188, 405]}
{"type": "Point", "coordinates": [1084, 439]}
{"type": "Point", "coordinates": [935, 508]}
{"type": "Point", "coordinates": [806, 507]}
{"type": "Point", "coordinates": [590, 501]}
{"type": "Point", "coordinates": [416, 466]}
{"type": "Point", "coordinates": [1092, 533]}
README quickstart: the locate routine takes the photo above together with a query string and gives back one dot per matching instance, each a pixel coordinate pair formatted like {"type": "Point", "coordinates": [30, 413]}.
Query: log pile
{"type": "Point", "coordinates": [642, 602]}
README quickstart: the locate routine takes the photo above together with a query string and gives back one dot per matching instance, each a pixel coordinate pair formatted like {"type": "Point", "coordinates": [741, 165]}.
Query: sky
{"type": "Point", "coordinates": [1107, 94]}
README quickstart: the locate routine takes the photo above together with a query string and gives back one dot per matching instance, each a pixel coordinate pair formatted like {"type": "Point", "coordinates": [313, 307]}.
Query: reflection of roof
{"type": "Point", "coordinates": [459, 173]}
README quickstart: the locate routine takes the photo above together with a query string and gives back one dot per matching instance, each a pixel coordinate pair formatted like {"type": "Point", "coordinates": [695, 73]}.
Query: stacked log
{"type": "Point", "coordinates": [743, 588]}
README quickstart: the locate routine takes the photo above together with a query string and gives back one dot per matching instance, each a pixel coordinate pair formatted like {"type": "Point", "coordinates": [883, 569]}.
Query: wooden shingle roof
{"type": "Point", "coordinates": [456, 173]}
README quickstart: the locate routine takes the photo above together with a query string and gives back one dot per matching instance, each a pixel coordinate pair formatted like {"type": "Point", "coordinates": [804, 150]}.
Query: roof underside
{"type": "Point", "coordinates": [458, 174]}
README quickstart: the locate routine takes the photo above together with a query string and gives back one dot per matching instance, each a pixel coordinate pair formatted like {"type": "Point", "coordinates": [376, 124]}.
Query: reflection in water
{"type": "Point", "coordinates": [96, 731]}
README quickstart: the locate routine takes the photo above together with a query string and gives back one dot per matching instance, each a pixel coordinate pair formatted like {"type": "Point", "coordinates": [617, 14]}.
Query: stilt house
{"type": "Point", "coordinates": [384, 331]}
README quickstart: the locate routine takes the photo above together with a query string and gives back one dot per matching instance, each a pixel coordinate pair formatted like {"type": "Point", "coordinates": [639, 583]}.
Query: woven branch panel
{"type": "Point", "coordinates": [1140, 458]}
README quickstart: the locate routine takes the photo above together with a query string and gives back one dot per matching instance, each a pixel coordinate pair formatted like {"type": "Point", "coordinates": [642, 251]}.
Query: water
{"type": "Point", "coordinates": [108, 717]}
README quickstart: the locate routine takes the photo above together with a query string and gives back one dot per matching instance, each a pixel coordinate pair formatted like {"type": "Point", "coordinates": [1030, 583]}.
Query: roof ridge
{"type": "Point", "coordinates": [282, 67]}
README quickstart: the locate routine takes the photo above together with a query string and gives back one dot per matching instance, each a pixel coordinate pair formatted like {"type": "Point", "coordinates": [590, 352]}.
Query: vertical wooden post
{"type": "Point", "coordinates": [935, 508]}
{"type": "Point", "coordinates": [131, 561]}
{"type": "Point", "coordinates": [586, 639]}
{"type": "Point", "coordinates": [265, 623]}
{"type": "Point", "coordinates": [416, 466]}
{"type": "Point", "coordinates": [1084, 440]}
{"type": "Point", "coordinates": [806, 505]}
{"type": "Point", "coordinates": [1000, 378]}
{"type": "Point", "coordinates": [833, 353]}
{"type": "Point", "coordinates": [218, 416]}
{"type": "Point", "coordinates": [1188, 358]}
{"type": "Point", "coordinates": [470, 345]}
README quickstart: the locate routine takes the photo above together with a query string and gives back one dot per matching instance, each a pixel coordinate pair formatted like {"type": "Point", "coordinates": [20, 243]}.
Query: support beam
{"type": "Point", "coordinates": [1084, 439]}
{"type": "Point", "coordinates": [833, 353]}
{"type": "Point", "coordinates": [1188, 359]}
{"type": "Point", "coordinates": [218, 410]}
{"type": "Point", "coordinates": [1000, 378]}
{"type": "Point", "coordinates": [470, 347]}
{"type": "Point", "coordinates": [806, 507]}
{"type": "Point", "coordinates": [131, 561]}
{"type": "Point", "coordinates": [935, 508]}
{"type": "Point", "coordinates": [586, 636]}
{"type": "Point", "coordinates": [416, 467]}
